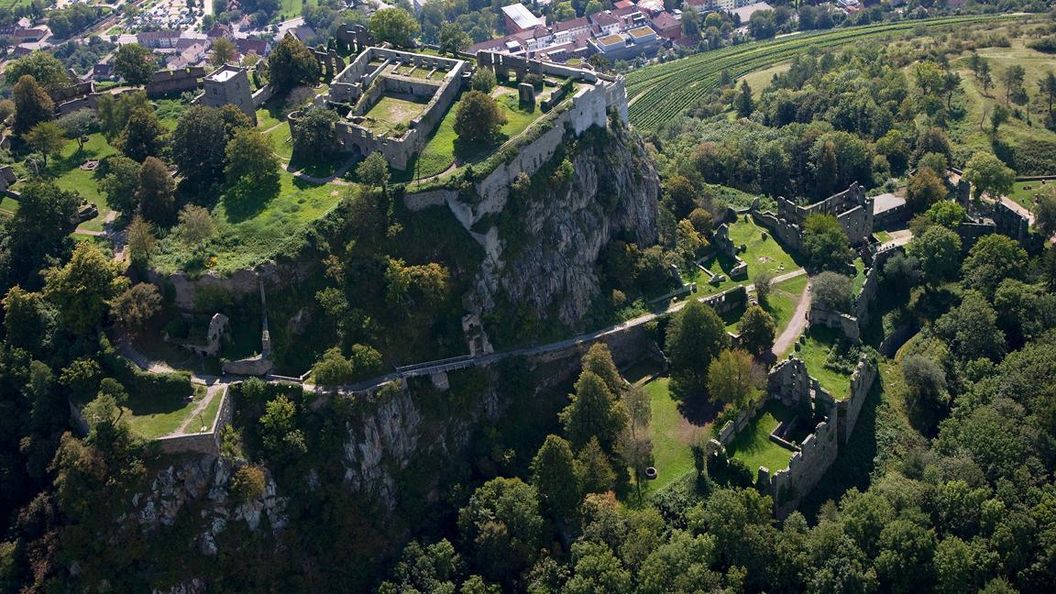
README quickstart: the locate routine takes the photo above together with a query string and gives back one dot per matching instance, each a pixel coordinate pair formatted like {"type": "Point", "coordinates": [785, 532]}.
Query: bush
{"type": "Point", "coordinates": [248, 484]}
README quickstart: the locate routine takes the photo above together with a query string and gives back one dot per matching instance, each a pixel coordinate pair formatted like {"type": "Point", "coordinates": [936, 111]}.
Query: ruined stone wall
{"type": "Point", "coordinates": [207, 443]}
{"type": "Point", "coordinates": [589, 108]}
{"type": "Point", "coordinates": [851, 207]}
{"type": "Point", "coordinates": [186, 289]}
{"type": "Point", "coordinates": [850, 407]}
{"type": "Point", "coordinates": [845, 323]}
{"type": "Point", "coordinates": [785, 232]}
{"type": "Point", "coordinates": [805, 469]}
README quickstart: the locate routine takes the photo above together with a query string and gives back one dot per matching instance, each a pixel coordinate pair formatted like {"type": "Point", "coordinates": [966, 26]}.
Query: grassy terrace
{"type": "Point", "coordinates": [753, 446]}
{"type": "Point", "coordinates": [673, 436]}
{"type": "Point", "coordinates": [1024, 193]}
{"type": "Point", "coordinates": [966, 135]}
{"type": "Point", "coordinates": [391, 115]}
{"type": "Point", "coordinates": [763, 253]}
{"type": "Point", "coordinates": [153, 417]}
{"type": "Point", "coordinates": [814, 352]}
{"type": "Point", "coordinates": [661, 92]}
{"type": "Point", "coordinates": [248, 237]}
{"type": "Point", "coordinates": [443, 149]}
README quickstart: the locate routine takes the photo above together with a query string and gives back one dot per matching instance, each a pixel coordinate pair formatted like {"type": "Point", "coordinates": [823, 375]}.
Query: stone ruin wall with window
{"type": "Point", "coordinates": [791, 384]}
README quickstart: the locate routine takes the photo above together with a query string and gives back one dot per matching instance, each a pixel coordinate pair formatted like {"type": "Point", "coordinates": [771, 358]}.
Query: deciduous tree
{"type": "Point", "coordinates": [732, 379]}
{"type": "Point", "coordinates": [32, 104]}
{"type": "Point", "coordinates": [478, 118]}
{"type": "Point", "coordinates": [157, 190]}
{"type": "Point", "coordinates": [825, 243]}
{"type": "Point", "coordinates": [757, 330]}
{"type": "Point", "coordinates": [291, 64]}
{"type": "Point", "coordinates": [143, 136]}
{"type": "Point", "coordinates": [395, 25]}
{"type": "Point", "coordinates": [81, 289]}
{"type": "Point", "coordinates": [135, 63]}
{"type": "Point", "coordinates": [47, 138]}
{"type": "Point", "coordinates": [695, 336]}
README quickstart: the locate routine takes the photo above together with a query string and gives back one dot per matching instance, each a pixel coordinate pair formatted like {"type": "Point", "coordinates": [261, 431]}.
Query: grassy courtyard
{"type": "Point", "coordinates": [814, 352]}
{"type": "Point", "coordinates": [672, 434]}
{"type": "Point", "coordinates": [762, 252]}
{"type": "Point", "coordinates": [443, 149]}
{"type": "Point", "coordinates": [152, 417]}
{"type": "Point", "coordinates": [1024, 193]}
{"type": "Point", "coordinates": [753, 446]}
{"type": "Point", "coordinates": [390, 116]}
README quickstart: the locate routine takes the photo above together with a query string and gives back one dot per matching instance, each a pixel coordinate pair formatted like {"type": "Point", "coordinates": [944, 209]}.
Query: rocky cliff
{"type": "Point", "coordinates": [542, 248]}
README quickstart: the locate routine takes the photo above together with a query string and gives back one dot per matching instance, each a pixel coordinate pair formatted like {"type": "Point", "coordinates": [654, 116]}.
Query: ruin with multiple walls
{"type": "Point", "coordinates": [427, 85]}
{"type": "Point", "coordinates": [829, 422]}
{"type": "Point", "coordinates": [851, 207]}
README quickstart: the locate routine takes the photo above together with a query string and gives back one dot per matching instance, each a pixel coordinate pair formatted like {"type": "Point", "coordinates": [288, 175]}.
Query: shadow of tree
{"type": "Point", "coordinates": [245, 200]}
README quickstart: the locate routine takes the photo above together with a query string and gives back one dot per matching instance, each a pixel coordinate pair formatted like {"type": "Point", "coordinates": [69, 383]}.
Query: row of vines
{"type": "Point", "coordinates": [661, 92]}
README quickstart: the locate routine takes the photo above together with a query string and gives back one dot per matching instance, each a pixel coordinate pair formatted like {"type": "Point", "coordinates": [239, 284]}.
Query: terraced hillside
{"type": "Point", "coordinates": [661, 92]}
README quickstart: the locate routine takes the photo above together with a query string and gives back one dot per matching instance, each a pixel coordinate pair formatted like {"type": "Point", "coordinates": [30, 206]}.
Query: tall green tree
{"type": "Point", "coordinates": [291, 64]}
{"type": "Point", "coordinates": [47, 138]}
{"type": "Point", "coordinates": [44, 67]}
{"type": "Point", "coordinates": [757, 330]}
{"type": "Point", "coordinates": [992, 259]}
{"type": "Point", "coordinates": [594, 411]}
{"type": "Point", "coordinates": [156, 193]}
{"type": "Point", "coordinates": [503, 528]}
{"type": "Point", "coordinates": [120, 183]}
{"type": "Point", "coordinates": [988, 175]}
{"type": "Point", "coordinates": [478, 119]}
{"type": "Point", "coordinates": [695, 336]}
{"type": "Point", "coordinates": [825, 243]}
{"type": "Point", "coordinates": [82, 289]}
{"type": "Point", "coordinates": [743, 102]}
{"type": "Point", "coordinates": [32, 104]}
{"type": "Point", "coordinates": [555, 478]}
{"type": "Point", "coordinates": [395, 25]}
{"type": "Point", "coordinates": [732, 379]}
{"type": "Point", "coordinates": [199, 143]}
{"type": "Point", "coordinates": [252, 169]}
{"type": "Point", "coordinates": [938, 250]}
{"type": "Point", "coordinates": [135, 63]}
{"type": "Point", "coordinates": [143, 136]}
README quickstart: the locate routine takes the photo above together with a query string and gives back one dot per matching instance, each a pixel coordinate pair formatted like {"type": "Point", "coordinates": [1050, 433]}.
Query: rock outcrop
{"type": "Point", "coordinates": [553, 266]}
{"type": "Point", "coordinates": [204, 482]}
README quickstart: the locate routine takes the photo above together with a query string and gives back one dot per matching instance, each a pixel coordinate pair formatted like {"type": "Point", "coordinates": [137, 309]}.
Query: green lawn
{"type": "Point", "coordinates": [442, 150]}
{"type": "Point", "coordinates": [292, 8]}
{"type": "Point", "coordinates": [1024, 192]}
{"type": "Point", "coordinates": [882, 236]}
{"type": "Point", "coordinates": [68, 175]}
{"type": "Point", "coordinates": [281, 141]}
{"type": "Point", "coordinates": [151, 418]}
{"type": "Point", "coordinates": [760, 79]}
{"type": "Point", "coordinates": [251, 234]}
{"type": "Point", "coordinates": [266, 119]}
{"type": "Point", "coordinates": [859, 276]}
{"type": "Point", "coordinates": [784, 297]}
{"type": "Point", "coordinates": [753, 446]}
{"type": "Point", "coordinates": [763, 252]}
{"type": "Point", "coordinates": [814, 353]}
{"type": "Point", "coordinates": [8, 206]}
{"type": "Point", "coordinates": [390, 116]}
{"type": "Point", "coordinates": [672, 436]}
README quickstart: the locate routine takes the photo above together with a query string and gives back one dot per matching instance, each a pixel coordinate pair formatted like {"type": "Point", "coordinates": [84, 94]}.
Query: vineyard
{"type": "Point", "coordinates": [661, 92]}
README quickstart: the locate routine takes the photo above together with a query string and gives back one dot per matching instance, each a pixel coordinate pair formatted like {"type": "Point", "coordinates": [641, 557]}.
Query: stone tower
{"type": "Point", "coordinates": [229, 84]}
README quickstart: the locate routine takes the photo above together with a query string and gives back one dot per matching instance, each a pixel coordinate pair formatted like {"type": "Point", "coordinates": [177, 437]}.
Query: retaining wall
{"type": "Point", "coordinates": [187, 290]}
{"type": "Point", "coordinates": [207, 443]}
{"type": "Point", "coordinates": [805, 469]}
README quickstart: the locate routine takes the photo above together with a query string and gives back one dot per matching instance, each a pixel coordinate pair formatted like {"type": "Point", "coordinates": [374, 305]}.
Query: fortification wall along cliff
{"type": "Point", "coordinates": [187, 290]}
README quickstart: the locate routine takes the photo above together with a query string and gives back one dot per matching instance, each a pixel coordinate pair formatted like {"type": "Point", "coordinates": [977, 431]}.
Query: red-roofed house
{"type": "Point", "coordinates": [605, 22]}
{"type": "Point", "coordinates": [623, 4]}
{"type": "Point", "coordinates": [668, 26]}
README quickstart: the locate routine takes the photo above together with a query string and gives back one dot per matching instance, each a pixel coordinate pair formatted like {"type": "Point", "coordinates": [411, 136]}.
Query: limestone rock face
{"type": "Point", "coordinates": [204, 482]}
{"type": "Point", "coordinates": [551, 266]}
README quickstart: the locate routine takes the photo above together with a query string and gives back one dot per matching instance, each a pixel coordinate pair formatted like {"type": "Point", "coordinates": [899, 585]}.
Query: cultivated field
{"type": "Point", "coordinates": [660, 92]}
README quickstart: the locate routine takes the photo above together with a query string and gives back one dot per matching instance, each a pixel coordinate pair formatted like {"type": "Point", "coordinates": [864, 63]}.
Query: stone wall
{"type": "Point", "coordinates": [589, 108]}
{"type": "Point", "coordinates": [784, 231]}
{"type": "Point", "coordinates": [851, 207]}
{"type": "Point", "coordinates": [805, 469]}
{"type": "Point", "coordinates": [207, 443]}
{"type": "Point", "coordinates": [167, 82]}
{"type": "Point", "coordinates": [850, 407]}
{"type": "Point", "coordinates": [186, 289]}
{"type": "Point", "coordinates": [845, 323]}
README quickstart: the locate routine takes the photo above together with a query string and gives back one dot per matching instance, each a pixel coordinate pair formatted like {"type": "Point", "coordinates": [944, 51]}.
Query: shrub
{"type": "Point", "coordinates": [248, 484]}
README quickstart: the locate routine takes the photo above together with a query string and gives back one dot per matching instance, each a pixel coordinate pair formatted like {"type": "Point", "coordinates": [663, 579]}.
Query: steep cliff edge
{"type": "Point", "coordinates": [542, 246]}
